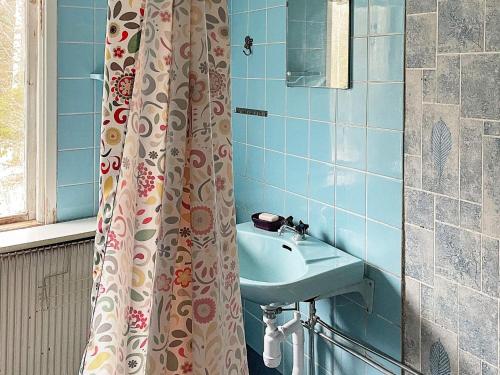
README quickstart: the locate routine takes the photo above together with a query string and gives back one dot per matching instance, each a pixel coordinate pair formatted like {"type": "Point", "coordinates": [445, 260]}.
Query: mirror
{"type": "Point", "coordinates": [318, 43]}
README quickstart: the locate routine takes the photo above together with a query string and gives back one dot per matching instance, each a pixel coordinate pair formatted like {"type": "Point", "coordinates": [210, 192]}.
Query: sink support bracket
{"type": "Point", "coordinates": [366, 288]}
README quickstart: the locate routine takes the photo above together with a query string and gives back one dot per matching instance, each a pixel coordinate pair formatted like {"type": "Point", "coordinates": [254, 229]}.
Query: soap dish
{"type": "Point", "coordinates": [266, 225]}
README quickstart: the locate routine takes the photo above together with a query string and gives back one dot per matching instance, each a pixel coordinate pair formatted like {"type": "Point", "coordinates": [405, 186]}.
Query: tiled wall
{"type": "Point", "coordinates": [452, 183]}
{"type": "Point", "coordinates": [332, 158]}
{"type": "Point", "coordinates": [81, 29]}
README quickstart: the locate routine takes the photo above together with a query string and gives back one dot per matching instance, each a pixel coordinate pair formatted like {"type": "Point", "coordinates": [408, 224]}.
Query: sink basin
{"type": "Point", "coordinates": [276, 271]}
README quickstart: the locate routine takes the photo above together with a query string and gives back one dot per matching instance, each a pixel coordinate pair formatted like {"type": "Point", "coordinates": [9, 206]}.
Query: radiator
{"type": "Point", "coordinates": [44, 309]}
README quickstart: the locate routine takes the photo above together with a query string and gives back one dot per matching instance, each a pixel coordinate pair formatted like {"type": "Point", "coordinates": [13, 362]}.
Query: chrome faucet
{"type": "Point", "coordinates": [300, 230]}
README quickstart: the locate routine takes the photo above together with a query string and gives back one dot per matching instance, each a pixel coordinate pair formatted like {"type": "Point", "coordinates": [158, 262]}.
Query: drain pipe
{"type": "Point", "coordinates": [275, 335]}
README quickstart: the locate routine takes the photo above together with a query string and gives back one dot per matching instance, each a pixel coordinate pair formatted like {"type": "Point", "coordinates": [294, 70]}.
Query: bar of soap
{"type": "Point", "coordinates": [271, 218]}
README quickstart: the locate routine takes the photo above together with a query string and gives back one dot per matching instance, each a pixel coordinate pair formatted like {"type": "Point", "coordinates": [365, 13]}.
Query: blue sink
{"type": "Point", "coordinates": [276, 271]}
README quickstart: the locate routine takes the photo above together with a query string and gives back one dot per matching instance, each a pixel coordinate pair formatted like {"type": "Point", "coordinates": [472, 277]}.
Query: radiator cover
{"type": "Point", "coordinates": [45, 308]}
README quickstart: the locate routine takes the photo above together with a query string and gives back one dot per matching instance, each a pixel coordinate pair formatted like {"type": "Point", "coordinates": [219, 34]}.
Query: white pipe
{"type": "Point", "coordinates": [275, 335]}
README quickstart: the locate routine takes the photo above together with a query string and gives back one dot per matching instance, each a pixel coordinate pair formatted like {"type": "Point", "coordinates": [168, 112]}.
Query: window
{"type": "Point", "coordinates": [24, 140]}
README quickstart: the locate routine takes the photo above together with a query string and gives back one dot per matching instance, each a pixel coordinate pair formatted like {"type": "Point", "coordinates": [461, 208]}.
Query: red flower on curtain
{"type": "Point", "coordinates": [183, 277]}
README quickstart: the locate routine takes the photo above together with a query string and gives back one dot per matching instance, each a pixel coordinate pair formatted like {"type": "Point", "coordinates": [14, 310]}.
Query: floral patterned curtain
{"type": "Point", "coordinates": [166, 297]}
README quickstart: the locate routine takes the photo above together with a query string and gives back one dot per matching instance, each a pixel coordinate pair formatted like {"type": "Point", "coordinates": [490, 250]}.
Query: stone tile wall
{"type": "Point", "coordinates": [452, 186]}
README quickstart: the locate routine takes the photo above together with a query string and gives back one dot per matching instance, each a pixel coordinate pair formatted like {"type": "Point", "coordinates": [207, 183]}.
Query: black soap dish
{"type": "Point", "coordinates": [267, 225]}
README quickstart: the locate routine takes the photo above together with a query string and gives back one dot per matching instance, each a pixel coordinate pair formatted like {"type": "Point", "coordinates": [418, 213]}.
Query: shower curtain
{"type": "Point", "coordinates": [166, 297]}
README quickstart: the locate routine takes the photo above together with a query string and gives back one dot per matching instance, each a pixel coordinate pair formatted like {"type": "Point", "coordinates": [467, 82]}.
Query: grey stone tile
{"type": "Point", "coordinates": [487, 369]}
{"type": "Point", "coordinates": [446, 304]}
{"type": "Point", "coordinates": [421, 41]}
{"type": "Point", "coordinates": [492, 29]}
{"type": "Point", "coordinates": [429, 86]}
{"type": "Point", "coordinates": [469, 365]}
{"type": "Point", "coordinates": [413, 171]}
{"type": "Point", "coordinates": [447, 210]}
{"type": "Point", "coordinates": [420, 6]}
{"type": "Point", "coordinates": [419, 208]}
{"type": "Point", "coordinates": [448, 79]}
{"type": "Point", "coordinates": [471, 169]}
{"type": "Point", "coordinates": [419, 254]}
{"type": "Point", "coordinates": [461, 25]}
{"type": "Point", "coordinates": [413, 118]}
{"type": "Point", "coordinates": [427, 302]}
{"type": "Point", "coordinates": [480, 86]}
{"type": "Point", "coordinates": [432, 333]}
{"type": "Point", "coordinates": [492, 128]}
{"type": "Point", "coordinates": [440, 138]}
{"type": "Point", "coordinates": [478, 320]}
{"type": "Point", "coordinates": [470, 216]}
{"type": "Point", "coordinates": [458, 255]}
{"type": "Point", "coordinates": [491, 186]}
{"type": "Point", "coordinates": [491, 267]}
{"type": "Point", "coordinates": [411, 310]}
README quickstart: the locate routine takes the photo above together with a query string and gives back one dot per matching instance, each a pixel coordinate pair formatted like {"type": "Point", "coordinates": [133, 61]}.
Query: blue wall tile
{"type": "Point", "coordinates": [75, 24]}
{"type": "Point", "coordinates": [239, 122]}
{"type": "Point", "coordinates": [351, 147]}
{"type": "Point", "coordinates": [255, 130]}
{"type": "Point", "coordinates": [256, 62]}
{"type": "Point", "coordinates": [387, 16]}
{"type": "Point", "coordinates": [256, 93]}
{"type": "Point", "coordinates": [275, 169]}
{"type": "Point", "coordinates": [296, 175]}
{"type": "Point", "coordinates": [297, 135]}
{"type": "Point", "coordinates": [276, 25]}
{"type": "Point", "coordinates": [350, 233]}
{"type": "Point", "coordinates": [360, 17]}
{"type": "Point", "coordinates": [351, 190]}
{"type": "Point", "coordinates": [276, 61]}
{"type": "Point", "coordinates": [239, 6]}
{"type": "Point", "coordinates": [75, 202]}
{"type": "Point", "coordinates": [352, 105]}
{"type": "Point", "coordinates": [239, 28]}
{"type": "Point", "coordinates": [239, 92]}
{"type": "Point", "coordinates": [75, 59]}
{"type": "Point", "coordinates": [385, 105]}
{"type": "Point", "coordinates": [274, 199]}
{"type": "Point", "coordinates": [256, 4]}
{"type": "Point", "coordinates": [387, 298]}
{"type": "Point", "coordinates": [386, 58]}
{"type": "Point", "coordinates": [359, 63]}
{"type": "Point", "coordinates": [322, 104]}
{"type": "Point", "coordinates": [275, 97]}
{"type": "Point", "coordinates": [322, 141]}
{"type": "Point", "coordinates": [322, 182]}
{"type": "Point", "coordinates": [239, 62]}
{"type": "Point", "coordinates": [255, 163]}
{"type": "Point", "coordinates": [239, 158]}
{"type": "Point", "coordinates": [75, 96]}
{"type": "Point", "coordinates": [75, 131]}
{"type": "Point", "coordinates": [383, 152]}
{"type": "Point", "coordinates": [275, 133]}
{"type": "Point", "coordinates": [322, 222]}
{"type": "Point", "coordinates": [297, 102]}
{"type": "Point", "coordinates": [384, 200]}
{"type": "Point", "coordinates": [72, 167]}
{"type": "Point", "coordinates": [257, 25]}
{"type": "Point", "coordinates": [100, 17]}
{"type": "Point", "coordinates": [295, 206]}
{"type": "Point", "coordinates": [383, 246]}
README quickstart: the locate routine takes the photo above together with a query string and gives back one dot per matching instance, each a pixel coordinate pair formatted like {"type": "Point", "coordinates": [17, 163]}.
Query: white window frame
{"type": "Point", "coordinates": [41, 120]}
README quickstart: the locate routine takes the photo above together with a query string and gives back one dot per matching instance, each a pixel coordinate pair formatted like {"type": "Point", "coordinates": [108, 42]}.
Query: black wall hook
{"type": "Point", "coordinates": [248, 45]}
